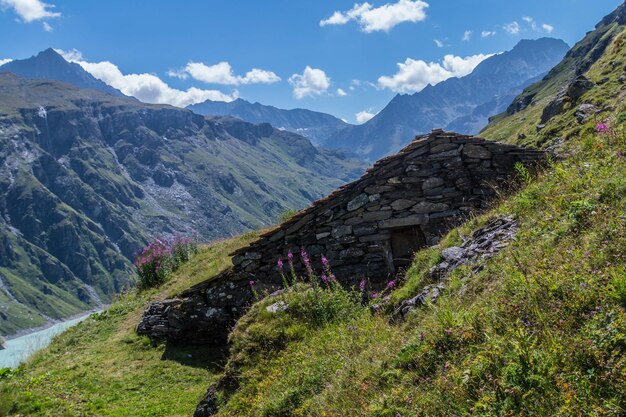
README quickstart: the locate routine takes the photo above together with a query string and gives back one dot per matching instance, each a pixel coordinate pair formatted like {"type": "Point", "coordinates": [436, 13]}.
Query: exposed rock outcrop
{"type": "Point", "coordinates": [571, 94]}
{"type": "Point", "coordinates": [585, 111]}
{"type": "Point", "coordinates": [483, 244]}
{"type": "Point", "coordinates": [369, 228]}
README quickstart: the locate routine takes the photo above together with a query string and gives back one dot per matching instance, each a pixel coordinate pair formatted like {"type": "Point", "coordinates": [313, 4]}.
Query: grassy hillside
{"type": "Point", "coordinates": [539, 330]}
{"type": "Point", "coordinates": [101, 367]}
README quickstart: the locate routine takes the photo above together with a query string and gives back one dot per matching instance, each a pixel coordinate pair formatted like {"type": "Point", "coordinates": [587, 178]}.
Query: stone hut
{"type": "Point", "coordinates": [369, 228]}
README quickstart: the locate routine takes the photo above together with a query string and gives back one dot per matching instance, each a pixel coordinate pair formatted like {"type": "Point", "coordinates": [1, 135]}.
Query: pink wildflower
{"type": "Point", "coordinates": [362, 285]}
{"type": "Point", "coordinates": [305, 257]}
{"type": "Point", "coordinates": [280, 264]}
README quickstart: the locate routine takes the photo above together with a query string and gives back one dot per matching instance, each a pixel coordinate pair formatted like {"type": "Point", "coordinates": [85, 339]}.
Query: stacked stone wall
{"type": "Point", "coordinates": [433, 184]}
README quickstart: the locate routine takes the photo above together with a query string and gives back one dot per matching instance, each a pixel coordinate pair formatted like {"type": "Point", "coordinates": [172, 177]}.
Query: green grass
{"type": "Point", "coordinates": [541, 331]}
{"type": "Point", "coordinates": [101, 367]}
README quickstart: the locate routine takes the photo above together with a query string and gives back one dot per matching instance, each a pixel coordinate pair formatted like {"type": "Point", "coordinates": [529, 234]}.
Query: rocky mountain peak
{"type": "Point", "coordinates": [50, 65]}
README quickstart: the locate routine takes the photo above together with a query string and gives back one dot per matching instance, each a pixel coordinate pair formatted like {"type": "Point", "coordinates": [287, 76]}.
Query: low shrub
{"type": "Point", "coordinates": [156, 262]}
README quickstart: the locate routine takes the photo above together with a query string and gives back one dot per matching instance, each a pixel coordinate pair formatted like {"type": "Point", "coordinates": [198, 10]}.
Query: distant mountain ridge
{"type": "Point", "coordinates": [457, 104]}
{"type": "Point", "coordinates": [316, 126]}
{"type": "Point", "coordinates": [50, 65]}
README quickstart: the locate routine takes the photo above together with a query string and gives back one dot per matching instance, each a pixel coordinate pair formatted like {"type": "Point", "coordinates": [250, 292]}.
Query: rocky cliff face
{"type": "Point", "coordinates": [458, 104]}
{"type": "Point", "coordinates": [87, 178]}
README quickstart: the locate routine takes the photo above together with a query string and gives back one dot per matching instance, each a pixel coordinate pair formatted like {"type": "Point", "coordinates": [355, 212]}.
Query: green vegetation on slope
{"type": "Point", "coordinates": [101, 367]}
{"type": "Point", "coordinates": [540, 330]}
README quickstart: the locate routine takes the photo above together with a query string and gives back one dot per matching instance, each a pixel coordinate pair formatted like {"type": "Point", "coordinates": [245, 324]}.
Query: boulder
{"type": "Point", "coordinates": [585, 111]}
{"type": "Point", "coordinates": [578, 87]}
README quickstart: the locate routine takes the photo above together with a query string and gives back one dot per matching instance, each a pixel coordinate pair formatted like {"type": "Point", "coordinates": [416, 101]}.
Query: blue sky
{"type": "Point", "coordinates": [260, 50]}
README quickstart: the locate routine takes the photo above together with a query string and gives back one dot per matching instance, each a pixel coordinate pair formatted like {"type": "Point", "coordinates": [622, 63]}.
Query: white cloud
{"type": "Point", "coordinates": [414, 75]}
{"type": "Point", "coordinates": [5, 61]}
{"type": "Point", "coordinates": [439, 43]}
{"type": "Point", "coordinates": [548, 28]}
{"type": "Point", "coordinates": [467, 35]}
{"type": "Point", "coordinates": [146, 87]}
{"type": "Point", "coordinates": [363, 116]}
{"type": "Point", "coordinates": [341, 92]}
{"type": "Point", "coordinates": [30, 10]}
{"type": "Point", "coordinates": [512, 28]}
{"type": "Point", "coordinates": [73, 55]}
{"type": "Point", "coordinates": [47, 27]}
{"type": "Point", "coordinates": [222, 73]}
{"type": "Point", "coordinates": [383, 18]}
{"type": "Point", "coordinates": [312, 82]}
{"type": "Point", "coordinates": [531, 22]}
{"type": "Point", "coordinates": [487, 33]}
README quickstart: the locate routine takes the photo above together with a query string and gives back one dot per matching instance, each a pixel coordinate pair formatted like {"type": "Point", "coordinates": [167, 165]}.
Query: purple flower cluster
{"type": "Point", "coordinates": [307, 262]}
{"type": "Point", "coordinates": [155, 262]}
{"type": "Point", "coordinates": [383, 294]}
{"type": "Point", "coordinates": [155, 253]}
{"type": "Point", "coordinates": [327, 271]}
{"type": "Point", "coordinates": [602, 127]}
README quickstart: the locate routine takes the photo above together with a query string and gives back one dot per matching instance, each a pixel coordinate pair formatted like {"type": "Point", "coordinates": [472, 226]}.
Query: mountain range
{"type": "Point", "coordinates": [457, 104]}
{"type": "Point", "coordinates": [316, 126]}
{"type": "Point", "coordinates": [87, 178]}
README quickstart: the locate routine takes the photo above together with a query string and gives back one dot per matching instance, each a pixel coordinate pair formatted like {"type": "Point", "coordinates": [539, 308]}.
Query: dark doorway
{"type": "Point", "coordinates": [404, 243]}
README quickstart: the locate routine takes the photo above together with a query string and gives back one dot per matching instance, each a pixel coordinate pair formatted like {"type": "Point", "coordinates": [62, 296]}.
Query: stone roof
{"type": "Point", "coordinates": [381, 167]}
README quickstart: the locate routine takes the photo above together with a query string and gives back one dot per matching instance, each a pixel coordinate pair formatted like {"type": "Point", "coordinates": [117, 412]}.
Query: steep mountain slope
{"type": "Point", "coordinates": [49, 65]}
{"type": "Point", "coordinates": [86, 178]}
{"type": "Point", "coordinates": [316, 126]}
{"type": "Point", "coordinates": [534, 116]}
{"type": "Point", "coordinates": [458, 104]}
